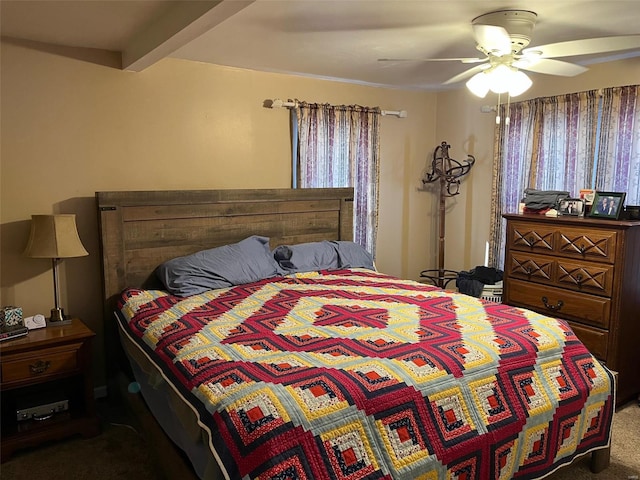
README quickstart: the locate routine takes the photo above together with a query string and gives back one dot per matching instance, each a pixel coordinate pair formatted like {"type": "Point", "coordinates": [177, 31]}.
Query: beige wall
{"type": "Point", "coordinates": [71, 128]}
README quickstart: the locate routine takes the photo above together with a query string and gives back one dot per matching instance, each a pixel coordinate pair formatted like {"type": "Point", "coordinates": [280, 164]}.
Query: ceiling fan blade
{"type": "Point", "coordinates": [459, 59]}
{"type": "Point", "coordinates": [492, 39]}
{"type": "Point", "coordinates": [551, 67]}
{"type": "Point", "coordinates": [467, 73]}
{"type": "Point", "coordinates": [586, 46]}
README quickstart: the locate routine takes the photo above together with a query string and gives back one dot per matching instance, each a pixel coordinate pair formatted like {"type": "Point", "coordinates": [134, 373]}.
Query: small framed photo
{"type": "Point", "coordinates": [588, 195]}
{"type": "Point", "coordinates": [607, 205]}
{"type": "Point", "coordinates": [571, 206]}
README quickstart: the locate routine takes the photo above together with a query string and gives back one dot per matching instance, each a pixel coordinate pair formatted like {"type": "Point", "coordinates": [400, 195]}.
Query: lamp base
{"type": "Point", "coordinates": [58, 317]}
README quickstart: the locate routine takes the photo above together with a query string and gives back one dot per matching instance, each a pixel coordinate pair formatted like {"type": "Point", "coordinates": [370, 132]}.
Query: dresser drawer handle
{"type": "Point", "coordinates": [39, 367]}
{"type": "Point", "coordinates": [579, 280]}
{"type": "Point", "coordinates": [581, 249]}
{"type": "Point", "coordinates": [554, 308]}
{"type": "Point", "coordinates": [530, 241]}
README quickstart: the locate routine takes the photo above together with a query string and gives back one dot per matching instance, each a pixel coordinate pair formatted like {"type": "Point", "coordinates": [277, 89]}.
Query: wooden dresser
{"type": "Point", "coordinates": [586, 271]}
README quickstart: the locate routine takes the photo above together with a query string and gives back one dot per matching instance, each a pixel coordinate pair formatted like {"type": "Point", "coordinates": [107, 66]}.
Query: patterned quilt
{"type": "Point", "coordinates": [353, 374]}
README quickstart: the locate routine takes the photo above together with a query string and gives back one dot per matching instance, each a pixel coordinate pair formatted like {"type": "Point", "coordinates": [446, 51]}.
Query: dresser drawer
{"type": "Point", "coordinates": [562, 303]}
{"type": "Point", "coordinates": [530, 267]}
{"type": "Point", "coordinates": [594, 339]}
{"type": "Point", "coordinates": [530, 237]}
{"type": "Point", "coordinates": [586, 244]}
{"type": "Point", "coordinates": [41, 364]}
{"type": "Point", "coordinates": [579, 276]}
{"type": "Point", "coordinates": [584, 277]}
{"type": "Point", "coordinates": [593, 245]}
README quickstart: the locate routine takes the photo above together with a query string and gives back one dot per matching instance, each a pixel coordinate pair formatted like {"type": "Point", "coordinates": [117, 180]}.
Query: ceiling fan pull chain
{"type": "Point", "coordinates": [498, 111]}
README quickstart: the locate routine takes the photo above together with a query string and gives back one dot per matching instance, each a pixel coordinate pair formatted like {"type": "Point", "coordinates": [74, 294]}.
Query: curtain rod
{"type": "Point", "coordinates": [277, 103]}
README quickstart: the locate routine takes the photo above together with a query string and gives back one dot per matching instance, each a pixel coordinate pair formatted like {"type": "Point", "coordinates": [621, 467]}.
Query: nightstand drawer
{"type": "Point", "coordinates": [41, 364]}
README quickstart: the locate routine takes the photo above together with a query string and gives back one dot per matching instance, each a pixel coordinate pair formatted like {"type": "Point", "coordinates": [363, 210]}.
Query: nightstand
{"type": "Point", "coordinates": [47, 367]}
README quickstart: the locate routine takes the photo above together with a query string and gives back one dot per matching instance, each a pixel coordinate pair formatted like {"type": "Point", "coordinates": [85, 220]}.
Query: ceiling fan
{"type": "Point", "coordinates": [503, 37]}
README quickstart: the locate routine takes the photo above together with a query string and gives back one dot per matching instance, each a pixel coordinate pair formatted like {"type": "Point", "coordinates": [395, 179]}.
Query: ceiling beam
{"type": "Point", "coordinates": [180, 24]}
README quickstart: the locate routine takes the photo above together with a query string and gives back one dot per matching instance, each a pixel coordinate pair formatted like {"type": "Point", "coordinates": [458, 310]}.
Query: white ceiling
{"type": "Point", "coordinates": [337, 39]}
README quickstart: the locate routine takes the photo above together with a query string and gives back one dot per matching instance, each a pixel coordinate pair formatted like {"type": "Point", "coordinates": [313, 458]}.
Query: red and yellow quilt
{"type": "Point", "coordinates": [353, 374]}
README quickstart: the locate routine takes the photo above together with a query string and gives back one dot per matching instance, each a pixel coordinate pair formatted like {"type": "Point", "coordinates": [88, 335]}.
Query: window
{"type": "Point", "coordinates": [338, 146]}
{"type": "Point", "coordinates": [579, 140]}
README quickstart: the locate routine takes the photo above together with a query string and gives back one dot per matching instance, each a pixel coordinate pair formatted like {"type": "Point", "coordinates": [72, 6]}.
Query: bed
{"type": "Point", "coordinates": [325, 367]}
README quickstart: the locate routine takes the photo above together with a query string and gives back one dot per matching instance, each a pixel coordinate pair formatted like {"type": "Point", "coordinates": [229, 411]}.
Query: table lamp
{"type": "Point", "coordinates": [55, 237]}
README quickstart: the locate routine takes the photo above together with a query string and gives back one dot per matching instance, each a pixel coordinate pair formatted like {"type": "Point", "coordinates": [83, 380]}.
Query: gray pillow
{"type": "Point", "coordinates": [247, 261]}
{"type": "Point", "coordinates": [306, 257]}
{"type": "Point", "coordinates": [352, 255]}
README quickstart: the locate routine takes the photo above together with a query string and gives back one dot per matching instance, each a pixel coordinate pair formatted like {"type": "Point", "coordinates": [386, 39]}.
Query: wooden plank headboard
{"type": "Point", "coordinates": [139, 230]}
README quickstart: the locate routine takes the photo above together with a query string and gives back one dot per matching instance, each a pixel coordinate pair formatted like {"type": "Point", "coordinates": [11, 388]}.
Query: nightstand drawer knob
{"type": "Point", "coordinates": [39, 367]}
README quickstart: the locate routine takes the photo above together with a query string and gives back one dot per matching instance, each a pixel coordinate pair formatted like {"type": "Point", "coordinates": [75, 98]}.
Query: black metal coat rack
{"type": "Point", "coordinates": [448, 173]}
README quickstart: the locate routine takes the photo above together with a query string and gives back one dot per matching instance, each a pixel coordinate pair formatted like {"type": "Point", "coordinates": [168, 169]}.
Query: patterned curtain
{"type": "Point", "coordinates": [548, 144]}
{"type": "Point", "coordinates": [618, 154]}
{"type": "Point", "coordinates": [566, 145]}
{"type": "Point", "coordinates": [511, 174]}
{"type": "Point", "coordinates": [339, 146]}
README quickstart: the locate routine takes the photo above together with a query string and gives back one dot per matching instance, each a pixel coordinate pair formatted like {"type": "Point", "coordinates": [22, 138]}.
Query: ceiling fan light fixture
{"type": "Point", "coordinates": [519, 84]}
{"type": "Point", "coordinates": [501, 79]}
{"type": "Point", "coordinates": [479, 84]}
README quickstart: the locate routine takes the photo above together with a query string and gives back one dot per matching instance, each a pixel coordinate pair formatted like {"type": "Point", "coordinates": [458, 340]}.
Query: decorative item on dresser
{"type": "Point", "coordinates": [608, 205]}
{"type": "Point", "coordinates": [586, 271]}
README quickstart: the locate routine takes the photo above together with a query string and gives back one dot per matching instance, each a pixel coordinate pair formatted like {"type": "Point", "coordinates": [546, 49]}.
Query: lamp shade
{"type": "Point", "coordinates": [54, 236]}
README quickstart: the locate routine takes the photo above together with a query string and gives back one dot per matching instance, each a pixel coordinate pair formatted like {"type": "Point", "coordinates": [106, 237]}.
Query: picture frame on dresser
{"type": "Point", "coordinates": [572, 206]}
{"type": "Point", "coordinates": [607, 205]}
{"type": "Point", "coordinates": [587, 194]}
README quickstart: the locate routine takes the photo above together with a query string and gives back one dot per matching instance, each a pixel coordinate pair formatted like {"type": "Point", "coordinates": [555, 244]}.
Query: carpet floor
{"type": "Point", "coordinates": [120, 453]}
